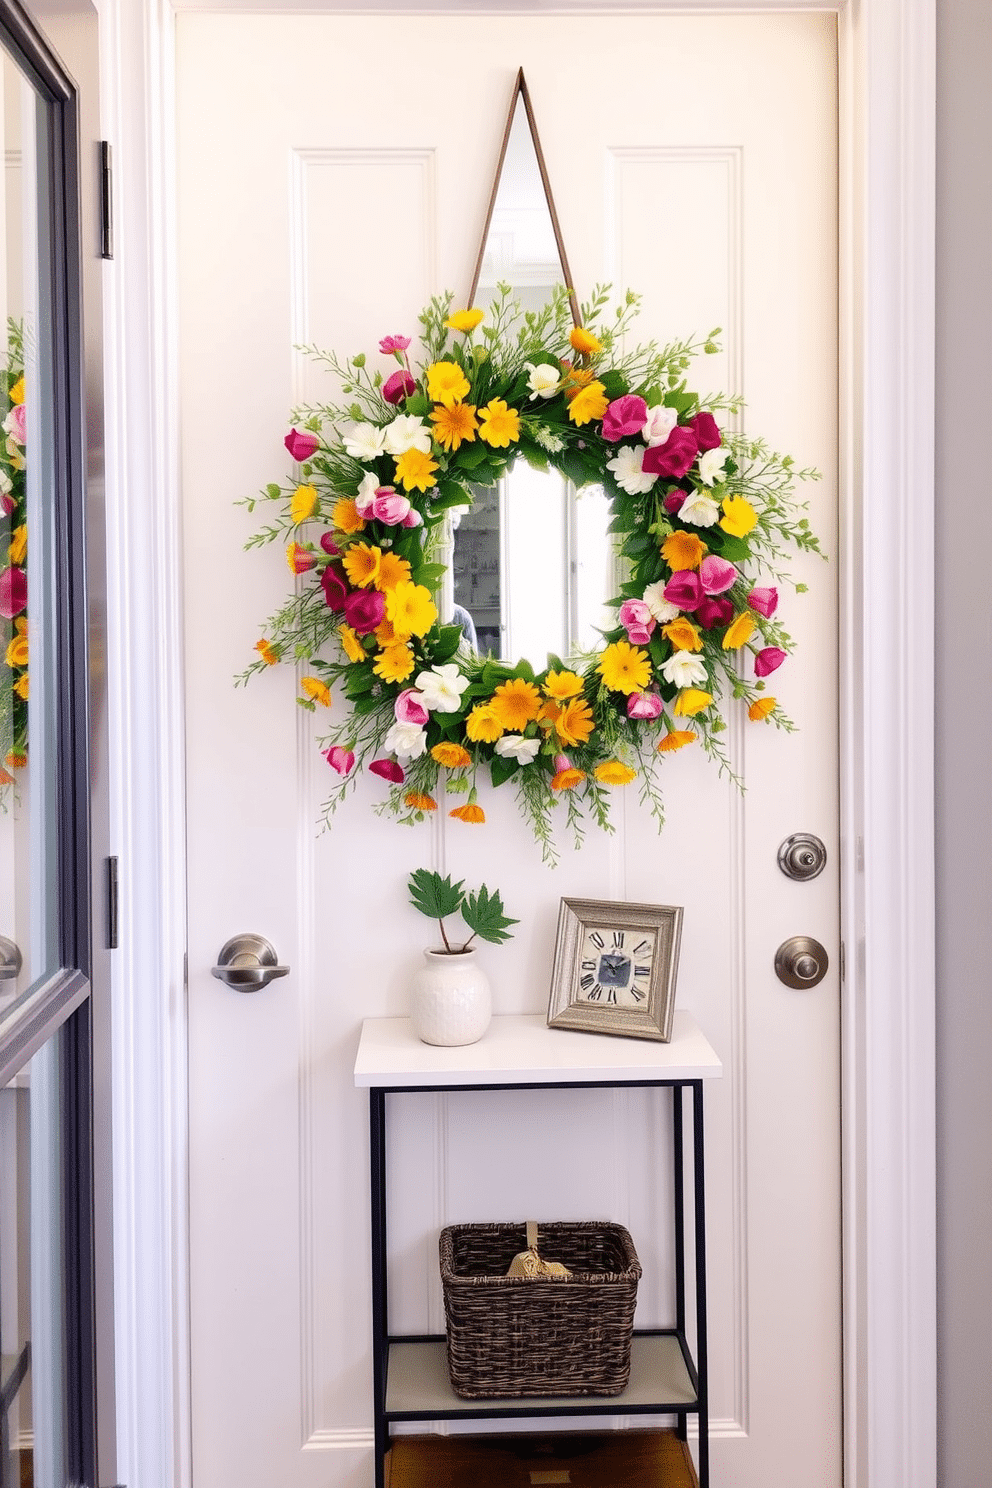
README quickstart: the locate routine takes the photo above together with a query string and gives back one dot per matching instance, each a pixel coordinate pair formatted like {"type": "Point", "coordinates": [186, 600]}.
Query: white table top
{"type": "Point", "coordinates": [520, 1049]}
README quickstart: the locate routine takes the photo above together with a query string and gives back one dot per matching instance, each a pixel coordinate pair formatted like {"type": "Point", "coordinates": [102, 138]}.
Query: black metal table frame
{"type": "Point", "coordinates": [697, 1369]}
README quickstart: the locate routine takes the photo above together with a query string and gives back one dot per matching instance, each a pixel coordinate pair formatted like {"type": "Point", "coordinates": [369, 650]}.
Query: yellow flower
{"type": "Point", "coordinates": [410, 609]}
{"type": "Point", "coordinates": [562, 685]}
{"type": "Point", "coordinates": [683, 550]}
{"type": "Point", "coordinates": [16, 759]}
{"type": "Point", "coordinates": [454, 424]}
{"type": "Point", "coordinates": [418, 801]}
{"type": "Point", "coordinates": [18, 544]}
{"type": "Point", "coordinates": [683, 635]}
{"type": "Point", "coordinates": [574, 722]}
{"type": "Point", "coordinates": [395, 663]}
{"type": "Point", "coordinates": [470, 812]}
{"type": "Point", "coordinates": [345, 516]}
{"type": "Point", "coordinates": [268, 652]}
{"type": "Point", "coordinates": [614, 772]}
{"type": "Point", "coordinates": [446, 382]}
{"type": "Point", "coordinates": [451, 756]}
{"type": "Point", "coordinates": [352, 646]}
{"type": "Point", "coordinates": [589, 403]}
{"type": "Point", "coordinates": [568, 779]}
{"type": "Point", "coordinates": [385, 632]}
{"type": "Point", "coordinates": [317, 690]}
{"type": "Point", "coordinates": [17, 649]}
{"type": "Point", "coordinates": [515, 704]}
{"type": "Point", "coordinates": [739, 631]}
{"type": "Point", "coordinates": [16, 393]}
{"type": "Point", "coordinates": [482, 726]}
{"type": "Point", "coordinates": [361, 564]}
{"type": "Point", "coordinates": [303, 504]}
{"type": "Point", "coordinates": [761, 709]}
{"type": "Point", "coordinates": [393, 570]}
{"type": "Point", "coordinates": [739, 516]}
{"type": "Point", "coordinates": [575, 378]}
{"type": "Point", "coordinates": [21, 686]}
{"type": "Point", "coordinates": [625, 668]}
{"type": "Point", "coordinates": [464, 320]}
{"type": "Point", "coordinates": [584, 341]}
{"type": "Point", "coordinates": [691, 701]}
{"type": "Point", "coordinates": [415, 471]}
{"type": "Point", "coordinates": [677, 739]}
{"type": "Point", "coordinates": [500, 424]}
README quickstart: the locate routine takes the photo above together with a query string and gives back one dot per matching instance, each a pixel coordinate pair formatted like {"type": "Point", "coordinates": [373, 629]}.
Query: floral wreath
{"type": "Point", "coordinates": [696, 510]}
{"type": "Point", "coordinates": [13, 561]}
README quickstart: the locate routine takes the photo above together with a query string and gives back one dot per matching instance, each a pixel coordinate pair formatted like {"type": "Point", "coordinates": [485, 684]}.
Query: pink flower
{"type": "Point", "coordinates": [768, 660]}
{"type": "Point", "coordinates": [684, 590]}
{"type": "Point", "coordinates": [637, 620]}
{"type": "Point", "coordinates": [15, 424]}
{"type": "Point", "coordinates": [390, 345]}
{"type": "Point", "coordinates": [624, 416]}
{"type": "Point", "coordinates": [301, 560]}
{"type": "Point", "coordinates": [335, 586]}
{"type": "Point", "coordinates": [408, 707]}
{"type": "Point", "coordinates": [329, 545]}
{"type": "Point", "coordinates": [714, 612]}
{"type": "Point", "coordinates": [413, 518]}
{"type": "Point", "coordinates": [644, 705]}
{"type": "Point", "coordinates": [389, 770]}
{"type": "Point", "coordinates": [301, 446]}
{"type": "Point", "coordinates": [7, 504]}
{"type": "Point", "coordinates": [398, 387]}
{"type": "Point", "coordinates": [389, 507]}
{"type": "Point", "coordinates": [716, 574]}
{"type": "Point", "coordinates": [674, 500]}
{"type": "Point", "coordinates": [704, 426]}
{"type": "Point", "coordinates": [364, 610]}
{"type": "Point", "coordinates": [339, 759]}
{"type": "Point", "coordinates": [13, 592]}
{"type": "Point", "coordinates": [673, 458]}
{"type": "Point", "coordinates": [765, 601]}
{"type": "Point", "coordinates": [562, 762]}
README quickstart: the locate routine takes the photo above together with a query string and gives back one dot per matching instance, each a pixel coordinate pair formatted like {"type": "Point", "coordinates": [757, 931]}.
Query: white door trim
{"type": "Point", "coordinates": [887, 128]}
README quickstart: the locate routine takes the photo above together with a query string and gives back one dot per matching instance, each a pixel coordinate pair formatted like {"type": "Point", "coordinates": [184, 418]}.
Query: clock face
{"type": "Point", "coordinates": [615, 966]}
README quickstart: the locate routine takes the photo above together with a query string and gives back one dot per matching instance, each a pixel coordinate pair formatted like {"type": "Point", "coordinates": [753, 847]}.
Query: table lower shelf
{"type": "Point", "coordinates": [418, 1387]}
{"type": "Point", "coordinates": [657, 1458]}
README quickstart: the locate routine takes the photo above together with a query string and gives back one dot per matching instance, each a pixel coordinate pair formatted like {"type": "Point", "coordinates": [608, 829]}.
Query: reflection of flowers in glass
{"type": "Point", "coordinates": [17, 650]}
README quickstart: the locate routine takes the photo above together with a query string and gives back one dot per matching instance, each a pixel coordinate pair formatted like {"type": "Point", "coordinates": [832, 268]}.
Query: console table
{"type": "Point", "coordinates": [410, 1375]}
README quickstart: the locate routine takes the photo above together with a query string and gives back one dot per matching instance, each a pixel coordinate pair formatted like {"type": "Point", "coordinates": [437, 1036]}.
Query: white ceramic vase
{"type": "Point", "coordinates": [452, 1002]}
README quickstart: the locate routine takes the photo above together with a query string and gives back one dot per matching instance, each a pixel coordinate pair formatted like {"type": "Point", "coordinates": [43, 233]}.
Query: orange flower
{"type": "Point", "coordinates": [415, 471]}
{"type": "Point", "coordinates": [757, 711]}
{"type": "Point", "coordinates": [451, 756]}
{"type": "Point", "coordinates": [683, 550]}
{"type": "Point", "coordinates": [677, 739]}
{"type": "Point", "coordinates": [470, 812]}
{"type": "Point", "coordinates": [418, 801]}
{"type": "Point", "coordinates": [515, 704]}
{"type": "Point", "coordinates": [344, 515]}
{"type": "Point", "coordinates": [385, 633]}
{"type": "Point", "coordinates": [589, 403]}
{"type": "Point", "coordinates": [353, 648]}
{"type": "Point", "coordinates": [361, 564]}
{"type": "Point", "coordinates": [454, 425]}
{"type": "Point", "coordinates": [267, 651]}
{"type": "Point", "coordinates": [568, 779]}
{"type": "Point", "coordinates": [16, 759]}
{"type": "Point", "coordinates": [482, 726]}
{"type": "Point", "coordinates": [300, 559]}
{"type": "Point", "coordinates": [683, 635]}
{"type": "Point", "coordinates": [584, 341]}
{"type": "Point", "coordinates": [394, 662]}
{"type": "Point", "coordinates": [5, 777]}
{"type": "Point", "coordinates": [316, 690]}
{"type": "Point", "coordinates": [575, 378]}
{"type": "Point", "coordinates": [614, 772]}
{"type": "Point", "coordinates": [393, 570]}
{"type": "Point", "coordinates": [690, 701]}
{"type": "Point", "coordinates": [562, 685]}
{"type": "Point", "coordinates": [574, 722]}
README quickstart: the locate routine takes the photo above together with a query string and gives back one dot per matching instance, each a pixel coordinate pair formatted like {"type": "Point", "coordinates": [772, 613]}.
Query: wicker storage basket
{"type": "Point", "coordinates": [520, 1336]}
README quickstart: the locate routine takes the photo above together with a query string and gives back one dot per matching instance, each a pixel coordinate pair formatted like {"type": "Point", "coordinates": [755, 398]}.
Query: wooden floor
{"type": "Point", "coordinates": [613, 1459]}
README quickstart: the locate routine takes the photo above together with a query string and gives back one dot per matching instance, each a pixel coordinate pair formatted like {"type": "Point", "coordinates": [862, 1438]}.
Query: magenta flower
{"type": "Point", "coordinates": [398, 387]}
{"type": "Point", "coordinates": [301, 559]}
{"type": "Point", "coordinates": [637, 621]}
{"type": "Point", "coordinates": [301, 446]}
{"type": "Point", "coordinates": [768, 660]}
{"type": "Point", "coordinates": [13, 592]}
{"type": "Point", "coordinates": [389, 507]}
{"type": "Point", "coordinates": [364, 610]}
{"type": "Point", "coordinates": [335, 586]}
{"type": "Point", "coordinates": [390, 345]}
{"type": "Point", "coordinates": [684, 589]}
{"type": "Point", "coordinates": [329, 545]}
{"type": "Point", "coordinates": [624, 416]}
{"type": "Point", "coordinates": [716, 574]}
{"type": "Point", "coordinates": [408, 707]}
{"type": "Point", "coordinates": [674, 500]}
{"type": "Point", "coordinates": [714, 612]}
{"type": "Point", "coordinates": [339, 759]}
{"type": "Point", "coordinates": [7, 504]}
{"type": "Point", "coordinates": [708, 435]}
{"type": "Point", "coordinates": [389, 770]}
{"type": "Point", "coordinates": [673, 458]}
{"type": "Point", "coordinates": [644, 705]}
{"type": "Point", "coordinates": [413, 518]}
{"type": "Point", "coordinates": [765, 601]}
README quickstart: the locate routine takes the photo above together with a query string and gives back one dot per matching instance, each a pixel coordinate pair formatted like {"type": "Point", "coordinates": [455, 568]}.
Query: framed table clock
{"type": "Point", "coordinates": [615, 968]}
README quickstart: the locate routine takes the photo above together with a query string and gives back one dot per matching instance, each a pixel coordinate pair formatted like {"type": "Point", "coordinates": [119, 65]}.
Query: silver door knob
{"type": "Point", "coordinates": [10, 959]}
{"type": "Point", "coordinates": [802, 856]}
{"type": "Point", "coordinates": [248, 963]}
{"type": "Point", "coordinates": [801, 962]}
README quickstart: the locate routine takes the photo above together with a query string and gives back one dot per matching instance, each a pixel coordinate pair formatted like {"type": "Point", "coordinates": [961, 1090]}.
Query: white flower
{"type": "Point", "coordinates": [366, 494]}
{"type": "Point", "coordinates": [684, 670]}
{"type": "Point", "coordinates": [711, 463]}
{"type": "Point", "coordinates": [699, 510]}
{"type": "Point", "coordinates": [627, 471]}
{"type": "Point", "coordinates": [661, 422]}
{"type": "Point", "coordinates": [661, 608]}
{"type": "Point", "coordinates": [514, 746]}
{"type": "Point", "coordinates": [406, 740]}
{"type": "Point", "coordinates": [407, 432]}
{"type": "Point", "coordinates": [543, 379]}
{"type": "Point", "coordinates": [441, 688]}
{"type": "Point", "coordinates": [6, 484]}
{"type": "Point", "coordinates": [364, 442]}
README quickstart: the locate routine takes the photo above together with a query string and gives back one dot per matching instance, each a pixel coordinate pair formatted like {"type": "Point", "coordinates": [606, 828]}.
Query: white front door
{"type": "Point", "coordinates": [333, 174]}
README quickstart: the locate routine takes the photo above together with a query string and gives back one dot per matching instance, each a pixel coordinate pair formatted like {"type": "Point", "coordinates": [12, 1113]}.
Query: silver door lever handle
{"type": "Point", "coordinates": [10, 959]}
{"type": "Point", "coordinates": [248, 963]}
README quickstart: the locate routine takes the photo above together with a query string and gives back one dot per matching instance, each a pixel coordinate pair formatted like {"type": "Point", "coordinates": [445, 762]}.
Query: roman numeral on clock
{"type": "Point", "coordinates": [596, 993]}
{"type": "Point", "coordinates": [586, 982]}
{"type": "Point", "coordinates": [638, 949]}
{"type": "Point", "coordinates": [618, 937]}
{"type": "Point", "coordinates": [642, 971]}
{"type": "Point", "coordinates": [588, 966]}
{"type": "Point", "coordinates": [597, 940]}
{"type": "Point", "coordinates": [637, 992]}
{"type": "Point", "coordinates": [611, 995]}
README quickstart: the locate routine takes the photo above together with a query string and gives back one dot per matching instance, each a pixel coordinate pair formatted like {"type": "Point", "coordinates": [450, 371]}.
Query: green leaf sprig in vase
{"type": "Point", "coordinates": [482, 911]}
{"type": "Point", "coordinates": [451, 1000]}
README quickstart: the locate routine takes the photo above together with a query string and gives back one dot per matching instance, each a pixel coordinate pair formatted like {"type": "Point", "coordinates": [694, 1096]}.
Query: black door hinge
{"type": "Point", "coordinates": [112, 904]}
{"type": "Point", "coordinates": [106, 201]}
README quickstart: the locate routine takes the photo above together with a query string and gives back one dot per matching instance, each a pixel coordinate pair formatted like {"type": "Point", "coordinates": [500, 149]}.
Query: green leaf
{"type": "Point", "coordinates": [483, 913]}
{"type": "Point", "coordinates": [433, 895]}
{"type": "Point", "coordinates": [501, 768]}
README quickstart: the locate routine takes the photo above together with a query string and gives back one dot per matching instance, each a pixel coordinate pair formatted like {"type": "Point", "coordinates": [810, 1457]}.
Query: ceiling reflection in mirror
{"type": "Point", "coordinates": [533, 562]}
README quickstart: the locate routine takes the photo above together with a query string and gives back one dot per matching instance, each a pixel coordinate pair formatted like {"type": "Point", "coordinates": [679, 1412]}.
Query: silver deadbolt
{"type": "Point", "coordinates": [802, 856]}
{"type": "Point", "coordinates": [801, 962]}
{"type": "Point", "coordinates": [10, 959]}
{"type": "Point", "coordinates": [248, 963]}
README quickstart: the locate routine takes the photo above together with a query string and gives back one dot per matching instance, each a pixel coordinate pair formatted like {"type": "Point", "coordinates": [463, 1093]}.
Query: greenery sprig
{"type": "Point", "coordinates": [482, 911]}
